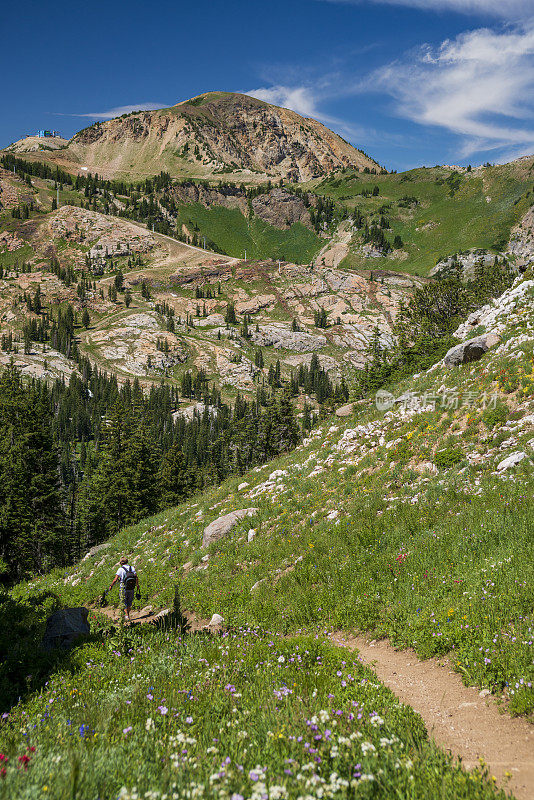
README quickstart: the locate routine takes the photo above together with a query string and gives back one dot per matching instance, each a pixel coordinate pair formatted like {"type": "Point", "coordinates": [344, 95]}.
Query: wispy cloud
{"type": "Point", "coordinates": [298, 98]}
{"type": "Point", "coordinates": [118, 111]}
{"type": "Point", "coordinates": [507, 9]}
{"type": "Point", "coordinates": [479, 86]}
{"type": "Point", "coordinates": [307, 101]}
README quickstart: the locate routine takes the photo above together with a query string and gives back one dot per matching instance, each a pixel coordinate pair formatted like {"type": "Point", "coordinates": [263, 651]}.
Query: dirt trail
{"type": "Point", "coordinates": [459, 720]}
{"type": "Point", "coordinates": [147, 615]}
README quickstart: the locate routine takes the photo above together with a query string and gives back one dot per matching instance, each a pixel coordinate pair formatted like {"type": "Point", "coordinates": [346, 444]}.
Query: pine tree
{"type": "Point", "coordinates": [32, 524]}
{"type": "Point", "coordinates": [86, 319]}
{"type": "Point", "coordinates": [176, 480]}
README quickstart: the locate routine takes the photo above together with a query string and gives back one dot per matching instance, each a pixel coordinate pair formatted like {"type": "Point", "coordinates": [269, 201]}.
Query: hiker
{"type": "Point", "coordinates": [129, 581]}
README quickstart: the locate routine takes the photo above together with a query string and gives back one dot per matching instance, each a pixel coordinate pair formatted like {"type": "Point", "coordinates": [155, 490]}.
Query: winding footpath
{"type": "Point", "coordinates": [459, 720]}
{"type": "Point", "coordinates": [472, 728]}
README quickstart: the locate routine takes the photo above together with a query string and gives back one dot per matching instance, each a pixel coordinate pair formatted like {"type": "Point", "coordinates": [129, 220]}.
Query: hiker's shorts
{"type": "Point", "coordinates": [128, 597]}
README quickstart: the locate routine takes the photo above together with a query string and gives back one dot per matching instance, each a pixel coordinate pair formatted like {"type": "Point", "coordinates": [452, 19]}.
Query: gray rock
{"type": "Point", "coordinates": [221, 526]}
{"type": "Point", "coordinates": [345, 411]}
{"type": "Point", "coordinates": [64, 626]}
{"type": "Point", "coordinates": [282, 337]}
{"type": "Point", "coordinates": [96, 549]}
{"type": "Point", "coordinates": [512, 460]}
{"type": "Point", "coordinates": [471, 350]}
{"type": "Point", "coordinates": [216, 620]}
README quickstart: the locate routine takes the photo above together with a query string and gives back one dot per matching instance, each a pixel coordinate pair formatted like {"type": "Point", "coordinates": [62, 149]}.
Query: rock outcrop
{"type": "Point", "coordinates": [280, 336]}
{"type": "Point", "coordinates": [522, 241]}
{"type": "Point", "coordinates": [64, 626]}
{"type": "Point", "coordinates": [471, 350]}
{"type": "Point", "coordinates": [222, 526]}
{"type": "Point", "coordinates": [511, 461]}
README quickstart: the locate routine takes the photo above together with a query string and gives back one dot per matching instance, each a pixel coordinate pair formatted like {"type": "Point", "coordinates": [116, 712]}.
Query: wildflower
{"type": "Point", "coordinates": [163, 710]}
{"type": "Point", "coordinates": [128, 729]}
{"type": "Point", "coordinates": [281, 659]}
{"type": "Point", "coordinates": [149, 724]}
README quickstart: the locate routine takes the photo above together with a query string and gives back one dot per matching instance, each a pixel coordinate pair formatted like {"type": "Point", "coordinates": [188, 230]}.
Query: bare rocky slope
{"type": "Point", "coordinates": [215, 133]}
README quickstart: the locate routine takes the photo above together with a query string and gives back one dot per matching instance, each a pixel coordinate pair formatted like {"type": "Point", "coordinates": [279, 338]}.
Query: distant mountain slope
{"type": "Point", "coordinates": [214, 133]}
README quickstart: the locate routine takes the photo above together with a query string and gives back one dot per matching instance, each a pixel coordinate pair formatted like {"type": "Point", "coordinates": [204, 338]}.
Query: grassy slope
{"type": "Point", "coordinates": [234, 234]}
{"type": "Point", "coordinates": [348, 536]}
{"type": "Point", "coordinates": [455, 223]}
{"type": "Point", "coordinates": [417, 571]}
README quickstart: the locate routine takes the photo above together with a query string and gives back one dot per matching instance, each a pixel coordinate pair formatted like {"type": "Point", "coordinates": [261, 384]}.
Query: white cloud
{"type": "Point", "coordinates": [119, 110]}
{"type": "Point", "coordinates": [479, 86]}
{"type": "Point", "coordinates": [508, 9]}
{"type": "Point", "coordinates": [297, 98]}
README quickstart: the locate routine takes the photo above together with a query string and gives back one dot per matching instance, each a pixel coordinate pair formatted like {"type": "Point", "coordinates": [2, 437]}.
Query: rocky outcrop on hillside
{"type": "Point", "coordinates": [280, 336]}
{"type": "Point", "coordinates": [522, 241]}
{"type": "Point", "coordinates": [282, 209]}
{"type": "Point", "coordinates": [500, 313]}
{"type": "Point", "coordinates": [103, 234]}
{"type": "Point", "coordinates": [221, 130]}
{"type": "Point", "coordinates": [12, 190]}
{"type": "Point", "coordinates": [89, 227]}
{"type": "Point", "coordinates": [278, 208]}
{"type": "Point", "coordinates": [469, 351]}
{"type": "Point", "coordinates": [467, 262]}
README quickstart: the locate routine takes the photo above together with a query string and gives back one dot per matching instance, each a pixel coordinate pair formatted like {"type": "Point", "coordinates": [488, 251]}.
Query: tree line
{"type": "Point", "coordinates": [80, 460]}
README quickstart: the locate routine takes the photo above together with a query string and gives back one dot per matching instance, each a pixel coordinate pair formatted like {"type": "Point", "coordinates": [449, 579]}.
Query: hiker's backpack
{"type": "Point", "coordinates": [131, 580]}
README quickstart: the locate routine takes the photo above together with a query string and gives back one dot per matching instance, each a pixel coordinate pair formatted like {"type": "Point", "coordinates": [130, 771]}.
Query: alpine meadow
{"type": "Point", "coordinates": [267, 404]}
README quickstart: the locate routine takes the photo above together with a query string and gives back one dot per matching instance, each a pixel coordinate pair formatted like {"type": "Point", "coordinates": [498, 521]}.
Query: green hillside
{"type": "Point", "coordinates": [233, 234]}
{"type": "Point", "coordinates": [436, 211]}
{"type": "Point", "coordinates": [402, 522]}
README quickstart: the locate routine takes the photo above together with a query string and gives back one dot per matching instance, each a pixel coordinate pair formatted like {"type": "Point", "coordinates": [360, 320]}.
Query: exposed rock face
{"type": "Point", "coordinates": [522, 240]}
{"type": "Point", "coordinates": [281, 209]}
{"type": "Point", "coordinates": [467, 262]}
{"type": "Point", "coordinates": [496, 315]}
{"type": "Point", "coordinates": [471, 350]}
{"type": "Point", "coordinates": [130, 344]}
{"type": "Point", "coordinates": [281, 336]}
{"type": "Point", "coordinates": [278, 208]}
{"type": "Point", "coordinates": [12, 190]}
{"type": "Point", "coordinates": [222, 526]}
{"type": "Point", "coordinates": [511, 461]}
{"type": "Point", "coordinates": [227, 129]}
{"type": "Point", "coordinates": [240, 374]}
{"type": "Point", "coordinates": [64, 626]}
{"type": "Point", "coordinates": [106, 235]}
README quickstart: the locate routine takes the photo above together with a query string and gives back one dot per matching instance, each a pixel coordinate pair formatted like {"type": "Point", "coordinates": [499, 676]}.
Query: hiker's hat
{"type": "Point", "coordinates": [123, 560]}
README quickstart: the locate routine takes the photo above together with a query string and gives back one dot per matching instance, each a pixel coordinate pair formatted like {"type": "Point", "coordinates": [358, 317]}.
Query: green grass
{"type": "Point", "coordinates": [234, 233]}
{"type": "Point", "coordinates": [456, 222]}
{"type": "Point", "coordinates": [452, 573]}
{"type": "Point", "coordinates": [250, 715]}
{"type": "Point", "coordinates": [16, 257]}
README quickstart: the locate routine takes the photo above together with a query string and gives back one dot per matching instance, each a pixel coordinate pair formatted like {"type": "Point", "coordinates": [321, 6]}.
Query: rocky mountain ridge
{"type": "Point", "coordinates": [215, 133]}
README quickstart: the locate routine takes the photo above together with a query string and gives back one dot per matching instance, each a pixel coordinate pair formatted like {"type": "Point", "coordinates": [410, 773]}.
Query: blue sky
{"type": "Point", "coordinates": [409, 81]}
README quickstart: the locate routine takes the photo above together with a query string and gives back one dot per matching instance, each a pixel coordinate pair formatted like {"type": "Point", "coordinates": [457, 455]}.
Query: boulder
{"type": "Point", "coordinates": [471, 350]}
{"type": "Point", "coordinates": [345, 411]}
{"type": "Point", "coordinates": [512, 460]}
{"type": "Point", "coordinates": [216, 620]}
{"type": "Point", "coordinates": [96, 549]}
{"type": "Point", "coordinates": [64, 626]}
{"type": "Point", "coordinates": [221, 526]}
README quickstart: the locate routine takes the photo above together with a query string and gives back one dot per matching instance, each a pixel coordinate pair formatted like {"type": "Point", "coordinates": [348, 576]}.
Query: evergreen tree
{"type": "Point", "coordinates": [176, 480]}
{"type": "Point", "coordinates": [32, 523]}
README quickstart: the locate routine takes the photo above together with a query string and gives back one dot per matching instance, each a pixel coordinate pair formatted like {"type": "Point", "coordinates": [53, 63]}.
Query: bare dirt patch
{"type": "Point", "coordinates": [469, 726]}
